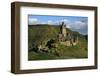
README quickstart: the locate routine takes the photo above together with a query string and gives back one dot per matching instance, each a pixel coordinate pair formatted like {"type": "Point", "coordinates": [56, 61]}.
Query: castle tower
{"type": "Point", "coordinates": [63, 29]}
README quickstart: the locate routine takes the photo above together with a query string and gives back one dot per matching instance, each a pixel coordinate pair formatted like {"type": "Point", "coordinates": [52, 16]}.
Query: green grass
{"type": "Point", "coordinates": [70, 52]}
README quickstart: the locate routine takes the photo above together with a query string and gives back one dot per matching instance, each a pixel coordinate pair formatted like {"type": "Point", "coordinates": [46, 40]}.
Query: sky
{"type": "Point", "coordinates": [75, 23]}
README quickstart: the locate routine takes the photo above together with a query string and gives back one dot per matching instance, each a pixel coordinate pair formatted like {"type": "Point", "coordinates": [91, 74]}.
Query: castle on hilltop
{"type": "Point", "coordinates": [65, 37]}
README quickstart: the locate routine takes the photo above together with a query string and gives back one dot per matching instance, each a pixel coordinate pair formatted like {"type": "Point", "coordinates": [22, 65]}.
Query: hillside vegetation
{"type": "Point", "coordinates": [40, 34]}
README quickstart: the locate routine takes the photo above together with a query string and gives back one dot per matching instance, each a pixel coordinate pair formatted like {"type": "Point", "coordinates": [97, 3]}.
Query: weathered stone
{"type": "Point", "coordinates": [66, 38]}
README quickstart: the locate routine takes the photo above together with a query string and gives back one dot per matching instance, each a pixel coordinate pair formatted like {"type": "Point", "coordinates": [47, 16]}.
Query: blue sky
{"type": "Point", "coordinates": [75, 23]}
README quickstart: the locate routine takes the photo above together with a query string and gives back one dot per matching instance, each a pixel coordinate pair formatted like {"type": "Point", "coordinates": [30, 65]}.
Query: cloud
{"type": "Point", "coordinates": [62, 20]}
{"type": "Point", "coordinates": [50, 22]}
{"type": "Point", "coordinates": [80, 26]}
{"type": "Point", "coordinates": [68, 26]}
{"type": "Point", "coordinates": [42, 22]}
{"type": "Point", "coordinates": [32, 21]}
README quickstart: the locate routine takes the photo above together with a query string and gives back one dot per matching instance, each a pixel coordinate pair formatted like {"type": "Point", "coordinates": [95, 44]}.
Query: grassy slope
{"type": "Point", "coordinates": [38, 34]}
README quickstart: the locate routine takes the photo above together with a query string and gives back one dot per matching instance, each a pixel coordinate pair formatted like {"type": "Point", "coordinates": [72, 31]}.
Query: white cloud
{"type": "Point", "coordinates": [43, 23]}
{"type": "Point", "coordinates": [50, 22]}
{"type": "Point", "coordinates": [62, 20]}
{"type": "Point", "coordinates": [67, 26]}
{"type": "Point", "coordinates": [78, 25]}
{"type": "Point", "coordinates": [32, 21]}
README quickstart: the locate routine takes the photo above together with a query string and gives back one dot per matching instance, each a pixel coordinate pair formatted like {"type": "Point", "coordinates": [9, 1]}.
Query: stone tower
{"type": "Point", "coordinates": [63, 29]}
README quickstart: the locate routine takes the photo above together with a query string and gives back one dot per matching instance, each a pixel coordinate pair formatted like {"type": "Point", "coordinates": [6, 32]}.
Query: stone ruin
{"type": "Point", "coordinates": [64, 38]}
{"type": "Point", "coordinates": [67, 38]}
